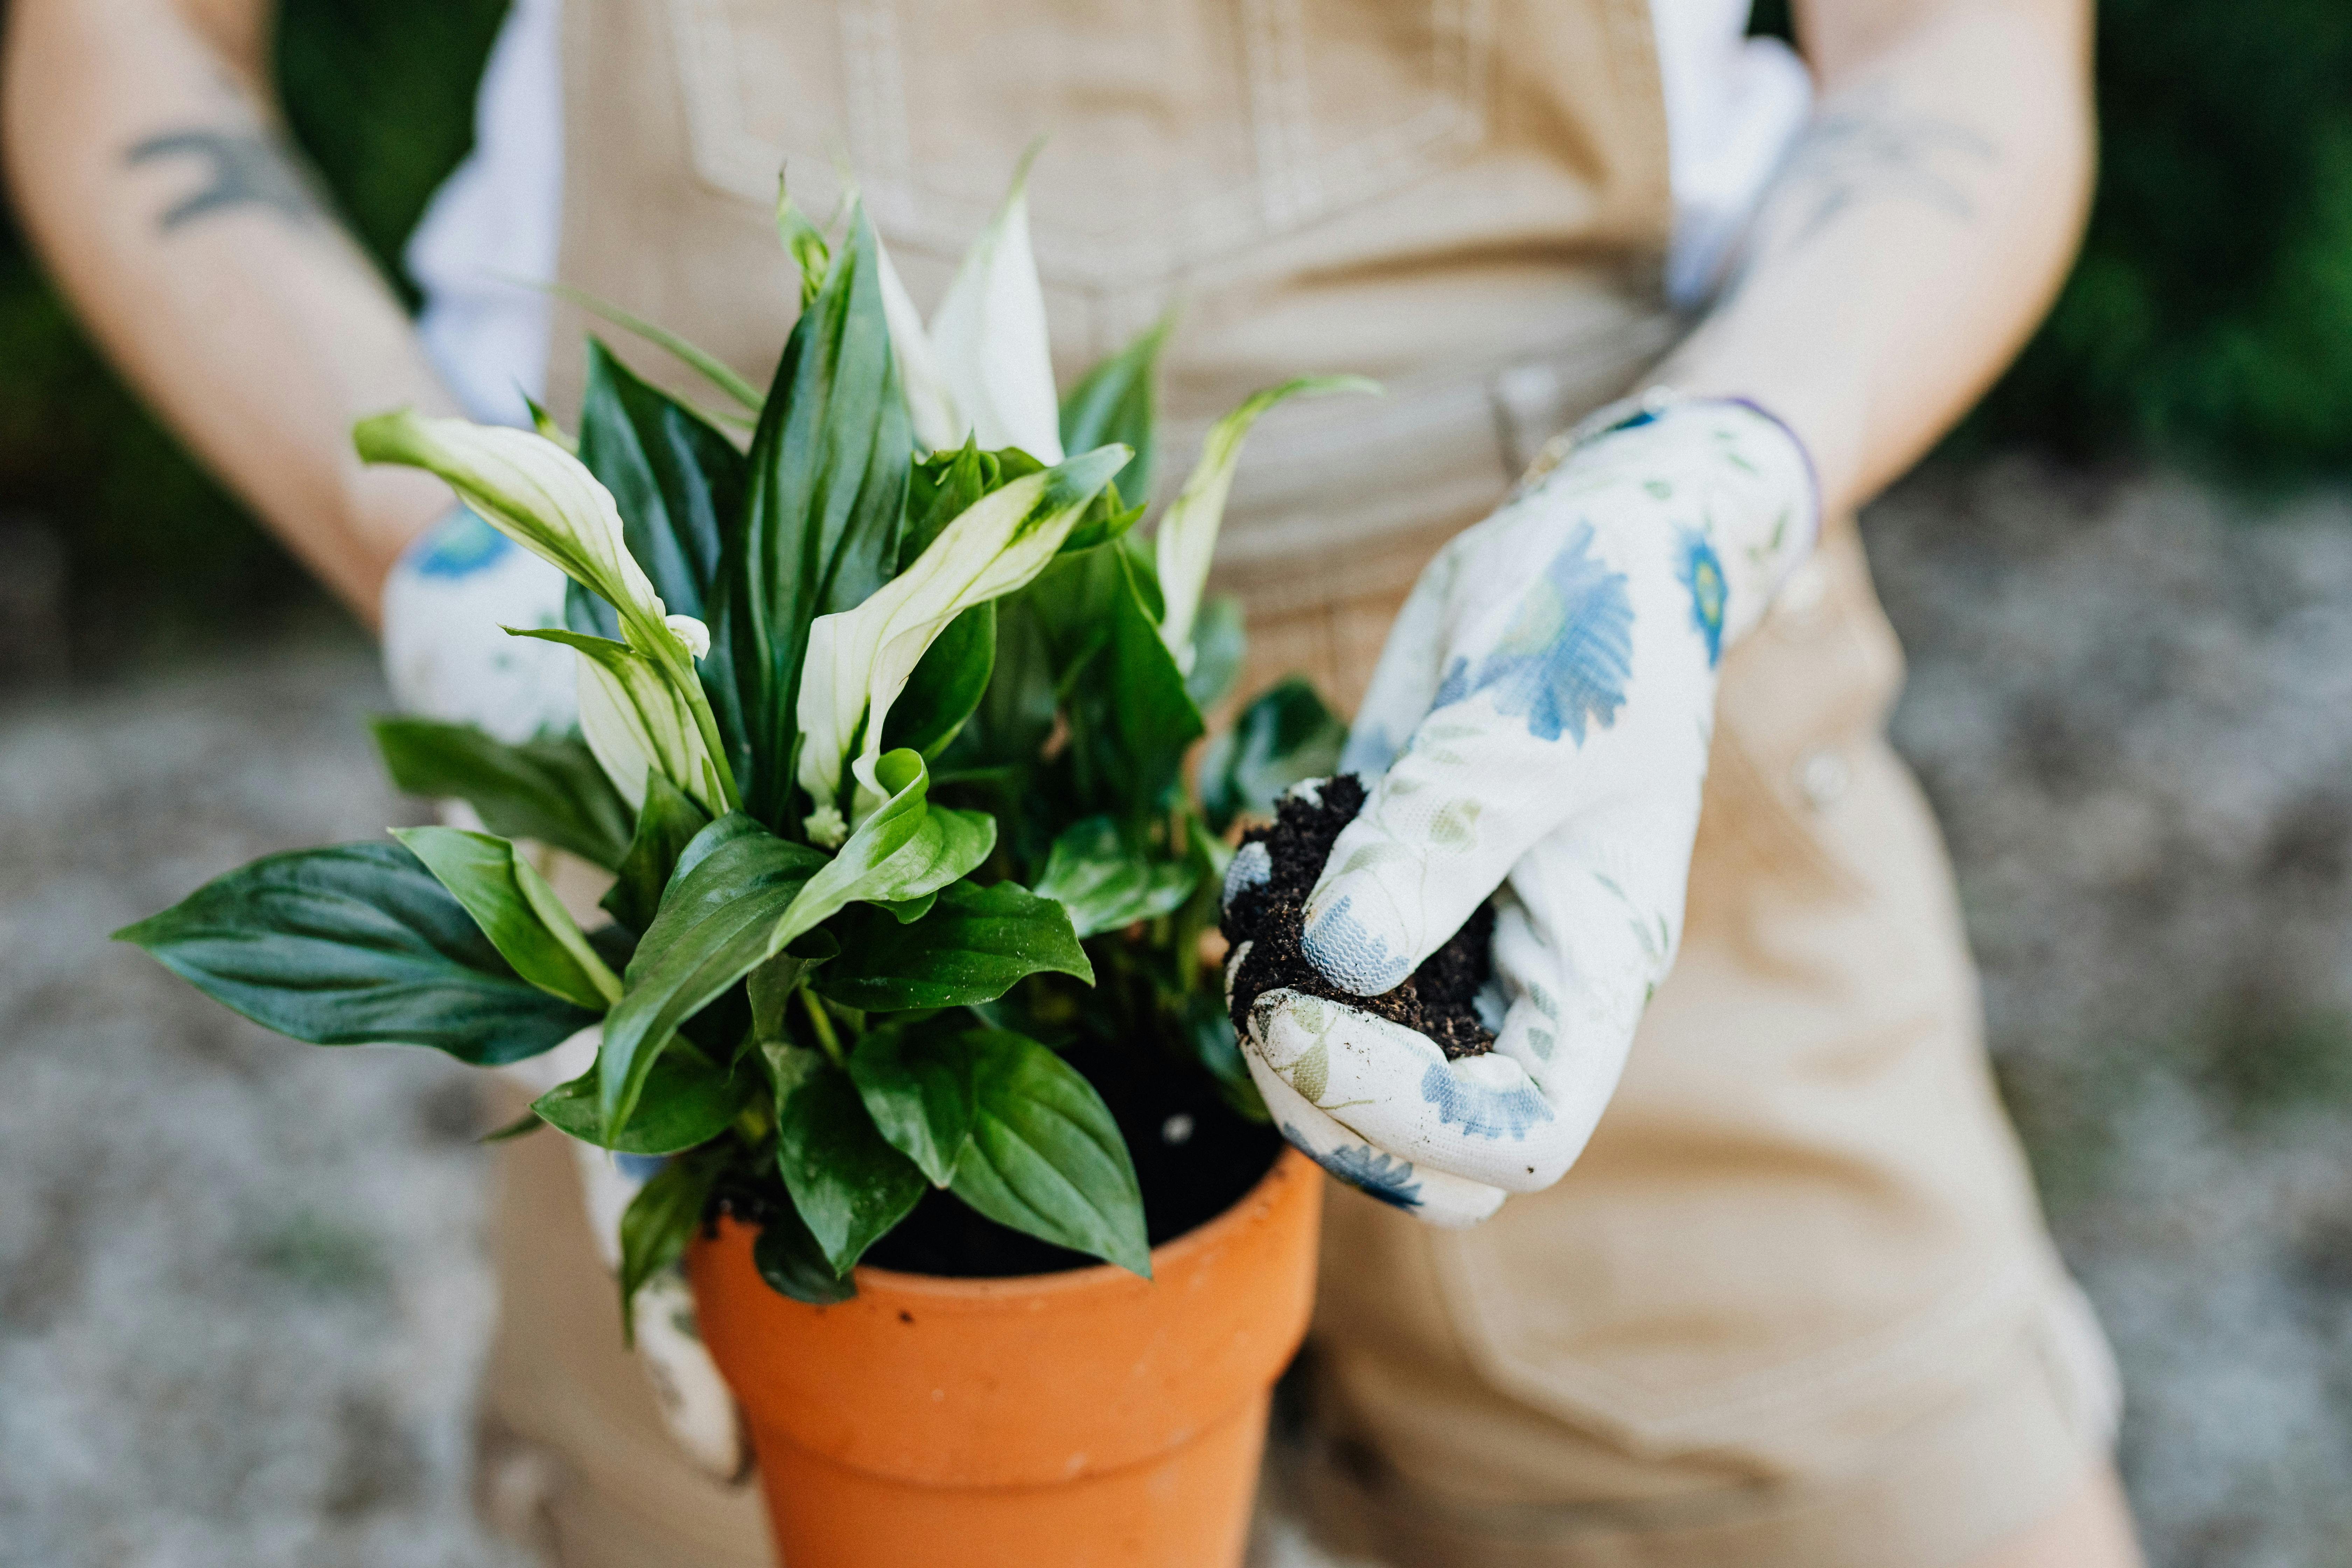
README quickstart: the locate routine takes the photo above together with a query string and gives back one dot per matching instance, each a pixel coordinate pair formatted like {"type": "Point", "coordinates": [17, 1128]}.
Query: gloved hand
{"type": "Point", "coordinates": [1552, 677]}
{"type": "Point", "coordinates": [445, 653]}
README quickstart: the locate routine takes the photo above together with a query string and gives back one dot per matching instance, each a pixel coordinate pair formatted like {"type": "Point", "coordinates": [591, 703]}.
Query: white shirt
{"type": "Point", "coordinates": [1734, 105]}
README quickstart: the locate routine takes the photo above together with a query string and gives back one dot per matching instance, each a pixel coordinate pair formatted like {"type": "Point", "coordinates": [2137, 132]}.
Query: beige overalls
{"type": "Point", "coordinates": [1795, 1305]}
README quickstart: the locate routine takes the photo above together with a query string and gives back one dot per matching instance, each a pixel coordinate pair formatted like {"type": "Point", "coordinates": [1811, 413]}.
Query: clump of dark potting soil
{"type": "Point", "coordinates": [1436, 998]}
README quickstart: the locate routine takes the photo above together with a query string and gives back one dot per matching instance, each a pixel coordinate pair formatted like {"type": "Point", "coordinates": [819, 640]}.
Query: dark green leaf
{"type": "Point", "coordinates": [850, 1185]}
{"type": "Point", "coordinates": [548, 790]}
{"type": "Point", "coordinates": [971, 948]}
{"type": "Point", "coordinates": [717, 919]}
{"type": "Point", "coordinates": [789, 1260]}
{"type": "Point", "coordinates": [657, 1226]}
{"type": "Point", "coordinates": [1115, 400]}
{"type": "Point", "coordinates": [528, 1122]}
{"type": "Point", "coordinates": [1285, 734]}
{"type": "Point", "coordinates": [517, 911]}
{"type": "Point", "coordinates": [918, 1085]}
{"type": "Point", "coordinates": [828, 483]}
{"type": "Point", "coordinates": [946, 685]}
{"type": "Point", "coordinates": [687, 1101]}
{"type": "Point", "coordinates": [354, 944]}
{"type": "Point", "coordinates": [666, 823]}
{"type": "Point", "coordinates": [678, 483]}
{"type": "Point", "coordinates": [1219, 645]}
{"type": "Point", "coordinates": [1131, 720]}
{"type": "Point", "coordinates": [1046, 1157]}
{"type": "Point", "coordinates": [1104, 884]}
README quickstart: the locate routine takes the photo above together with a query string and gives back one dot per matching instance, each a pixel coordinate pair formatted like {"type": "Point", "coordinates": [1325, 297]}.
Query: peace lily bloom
{"type": "Point", "coordinates": [641, 704]}
{"type": "Point", "coordinates": [985, 367]}
{"type": "Point", "coordinates": [1188, 533]}
{"type": "Point", "coordinates": [859, 660]}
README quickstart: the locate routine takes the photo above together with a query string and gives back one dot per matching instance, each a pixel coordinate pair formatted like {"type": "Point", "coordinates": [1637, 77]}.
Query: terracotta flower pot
{"type": "Point", "coordinates": [1080, 1420]}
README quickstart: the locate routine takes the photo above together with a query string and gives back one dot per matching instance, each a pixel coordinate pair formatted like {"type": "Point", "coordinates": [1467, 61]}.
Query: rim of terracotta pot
{"type": "Point", "coordinates": [1096, 1275]}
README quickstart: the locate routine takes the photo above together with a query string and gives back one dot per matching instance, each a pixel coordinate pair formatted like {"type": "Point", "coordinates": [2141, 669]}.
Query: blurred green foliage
{"type": "Point", "coordinates": [379, 93]}
{"type": "Point", "coordinates": [2210, 320]}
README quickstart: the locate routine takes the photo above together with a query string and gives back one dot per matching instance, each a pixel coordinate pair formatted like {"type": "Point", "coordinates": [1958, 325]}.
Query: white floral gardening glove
{"type": "Point", "coordinates": [446, 652]}
{"type": "Point", "coordinates": [1552, 683]}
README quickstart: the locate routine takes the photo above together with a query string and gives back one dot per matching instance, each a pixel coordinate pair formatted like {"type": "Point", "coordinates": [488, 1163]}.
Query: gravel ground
{"type": "Point", "coordinates": [242, 1294]}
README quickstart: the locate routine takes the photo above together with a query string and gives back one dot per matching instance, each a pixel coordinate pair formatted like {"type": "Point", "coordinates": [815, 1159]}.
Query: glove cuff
{"type": "Point", "coordinates": [1759, 498]}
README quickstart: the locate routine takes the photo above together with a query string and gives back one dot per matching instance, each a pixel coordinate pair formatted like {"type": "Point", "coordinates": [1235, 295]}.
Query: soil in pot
{"type": "Point", "coordinates": [1438, 998]}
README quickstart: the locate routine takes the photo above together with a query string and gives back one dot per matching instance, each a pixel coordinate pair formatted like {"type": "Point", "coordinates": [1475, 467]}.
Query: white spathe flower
{"type": "Point", "coordinates": [529, 489]}
{"type": "Point", "coordinates": [985, 367]}
{"type": "Point", "coordinates": [1188, 533]}
{"type": "Point", "coordinates": [859, 660]}
{"type": "Point", "coordinates": [641, 703]}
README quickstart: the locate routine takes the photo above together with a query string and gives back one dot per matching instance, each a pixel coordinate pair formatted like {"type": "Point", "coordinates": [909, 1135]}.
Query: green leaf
{"type": "Point", "coordinates": [1139, 718]}
{"type": "Point", "coordinates": [789, 1260]}
{"type": "Point", "coordinates": [687, 1101]}
{"type": "Point", "coordinates": [828, 483]}
{"type": "Point", "coordinates": [918, 1085]}
{"type": "Point", "coordinates": [971, 948]}
{"type": "Point", "coordinates": [734, 881]}
{"type": "Point", "coordinates": [678, 481]}
{"type": "Point", "coordinates": [657, 1226]}
{"type": "Point", "coordinates": [666, 824]}
{"type": "Point", "coordinates": [1046, 1157]}
{"type": "Point", "coordinates": [351, 945]}
{"type": "Point", "coordinates": [850, 1185]}
{"type": "Point", "coordinates": [552, 790]}
{"type": "Point", "coordinates": [946, 686]}
{"type": "Point", "coordinates": [1287, 734]}
{"type": "Point", "coordinates": [1104, 884]}
{"type": "Point", "coordinates": [517, 911]}
{"type": "Point", "coordinates": [528, 1122]}
{"type": "Point", "coordinates": [907, 848]}
{"type": "Point", "coordinates": [1219, 645]}
{"type": "Point", "coordinates": [1113, 401]}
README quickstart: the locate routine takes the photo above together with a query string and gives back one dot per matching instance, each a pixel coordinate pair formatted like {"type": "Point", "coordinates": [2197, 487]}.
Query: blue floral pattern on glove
{"type": "Point", "coordinates": [461, 547]}
{"type": "Point", "coordinates": [1702, 573]}
{"type": "Point", "coordinates": [1569, 655]}
{"type": "Point", "coordinates": [1366, 1169]}
{"type": "Point", "coordinates": [1484, 1112]}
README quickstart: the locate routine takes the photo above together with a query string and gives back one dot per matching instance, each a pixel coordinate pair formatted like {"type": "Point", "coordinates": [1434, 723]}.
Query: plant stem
{"type": "Point", "coordinates": [824, 1035]}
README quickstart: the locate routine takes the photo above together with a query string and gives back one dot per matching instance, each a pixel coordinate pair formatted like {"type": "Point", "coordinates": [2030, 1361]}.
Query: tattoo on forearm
{"type": "Point", "coordinates": [243, 167]}
{"type": "Point", "coordinates": [1865, 153]}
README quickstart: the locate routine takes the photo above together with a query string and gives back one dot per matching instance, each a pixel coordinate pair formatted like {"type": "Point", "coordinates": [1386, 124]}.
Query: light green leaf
{"type": "Point", "coordinates": [1219, 645]}
{"type": "Point", "coordinates": [351, 945]}
{"type": "Point", "coordinates": [517, 911]}
{"type": "Point", "coordinates": [1188, 533]}
{"type": "Point", "coordinates": [971, 948]}
{"type": "Point", "coordinates": [552, 791]}
{"type": "Point", "coordinates": [1104, 884]}
{"type": "Point", "coordinates": [687, 1102]}
{"type": "Point", "coordinates": [1046, 1157]}
{"type": "Point", "coordinates": [848, 1184]}
{"type": "Point", "coordinates": [905, 848]}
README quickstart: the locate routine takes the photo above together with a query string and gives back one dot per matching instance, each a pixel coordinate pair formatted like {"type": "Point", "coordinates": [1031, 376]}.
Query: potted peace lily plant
{"type": "Point", "coordinates": [883, 731]}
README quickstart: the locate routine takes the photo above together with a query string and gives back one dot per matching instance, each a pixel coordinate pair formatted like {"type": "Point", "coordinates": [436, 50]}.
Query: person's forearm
{"type": "Point", "coordinates": [165, 200]}
{"type": "Point", "coordinates": [1916, 235]}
